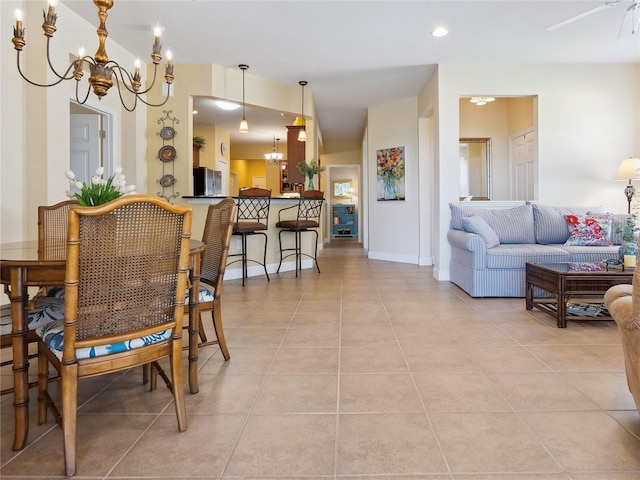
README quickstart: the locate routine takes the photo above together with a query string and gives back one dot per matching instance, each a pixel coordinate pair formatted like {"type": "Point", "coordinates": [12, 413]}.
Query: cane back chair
{"type": "Point", "coordinates": [48, 304]}
{"type": "Point", "coordinates": [125, 283]}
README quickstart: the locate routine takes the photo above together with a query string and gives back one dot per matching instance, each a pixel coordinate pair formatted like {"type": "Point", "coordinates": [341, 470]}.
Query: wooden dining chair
{"type": "Point", "coordinates": [216, 236]}
{"type": "Point", "coordinates": [125, 283]}
{"type": "Point", "coordinates": [48, 304]}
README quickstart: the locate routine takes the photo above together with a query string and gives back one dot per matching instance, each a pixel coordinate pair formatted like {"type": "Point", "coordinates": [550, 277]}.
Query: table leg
{"type": "Point", "coordinates": [562, 310]}
{"type": "Point", "coordinates": [19, 296]}
{"type": "Point", "coordinates": [529, 296]}
{"type": "Point", "coordinates": [194, 322]}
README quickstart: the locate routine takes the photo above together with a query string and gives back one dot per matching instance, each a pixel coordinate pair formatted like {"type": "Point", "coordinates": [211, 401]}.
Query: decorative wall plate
{"type": "Point", "coordinates": [167, 133]}
{"type": "Point", "coordinates": [167, 153]}
{"type": "Point", "coordinates": [167, 180]}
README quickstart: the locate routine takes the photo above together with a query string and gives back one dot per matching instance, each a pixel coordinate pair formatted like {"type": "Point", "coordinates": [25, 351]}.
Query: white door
{"type": "Point", "coordinates": [523, 161]}
{"type": "Point", "coordinates": [223, 166]}
{"type": "Point", "coordinates": [86, 145]}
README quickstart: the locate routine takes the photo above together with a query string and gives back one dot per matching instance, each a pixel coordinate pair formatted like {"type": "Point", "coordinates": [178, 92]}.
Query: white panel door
{"type": "Point", "coordinates": [85, 145]}
{"type": "Point", "coordinates": [523, 161]}
{"type": "Point", "coordinates": [223, 166]}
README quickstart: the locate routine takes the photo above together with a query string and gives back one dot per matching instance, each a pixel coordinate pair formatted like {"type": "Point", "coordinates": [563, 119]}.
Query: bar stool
{"type": "Point", "coordinates": [307, 220]}
{"type": "Point", "coordinates": [252, 219]}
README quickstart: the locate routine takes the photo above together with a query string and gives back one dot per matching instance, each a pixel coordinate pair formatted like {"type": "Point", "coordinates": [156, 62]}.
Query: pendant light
{"type": "Point", "coordinates": [300, 121]}
{"type": "Point", "coordinates": [244, 125]}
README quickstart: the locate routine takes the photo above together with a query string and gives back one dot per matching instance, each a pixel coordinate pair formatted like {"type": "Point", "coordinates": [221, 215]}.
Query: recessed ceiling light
{"type": "Point", "coordinates": [195, 112]}
{"type": "Point", "coordinates": [440, 32]}
{"type": "Point", "coordinates": [227, 105]}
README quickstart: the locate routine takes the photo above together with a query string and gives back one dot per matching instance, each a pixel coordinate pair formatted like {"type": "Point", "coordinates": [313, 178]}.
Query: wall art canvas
{"type": "Point", "coordinates": [390, 170]}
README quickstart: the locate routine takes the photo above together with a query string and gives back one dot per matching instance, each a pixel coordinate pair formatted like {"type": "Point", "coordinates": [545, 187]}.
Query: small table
{"type": "Point", "coordinates": [20, 269]}
{"type": "Point", "coordinates": [563, 284]}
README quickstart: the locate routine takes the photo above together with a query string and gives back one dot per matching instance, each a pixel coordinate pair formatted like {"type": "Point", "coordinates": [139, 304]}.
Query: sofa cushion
{"type": "Point", "coordinates": [550, 223]}
{"type": "Point", "coordinates": [590, 254]}
{"type": "Point", "coordinates": [589, 230]}
{"type": "Point", "coordinates": [512, 225]}
{"type": "Point", "coordinates": [619, 221]}
{"type": "Point", "coordinates": [516, 255]}
{"type": "Point", "coordinates": [477, 225]}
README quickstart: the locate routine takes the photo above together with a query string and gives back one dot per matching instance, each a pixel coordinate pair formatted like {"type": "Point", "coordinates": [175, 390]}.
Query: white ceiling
{"type": "Point", "coordinates": [357, 54]}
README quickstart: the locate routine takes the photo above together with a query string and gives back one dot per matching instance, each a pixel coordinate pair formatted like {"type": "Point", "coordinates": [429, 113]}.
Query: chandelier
{"type": "Point", "coordinates": [274, 158]}
{"type": "Point", "coordinates": [103, 71]}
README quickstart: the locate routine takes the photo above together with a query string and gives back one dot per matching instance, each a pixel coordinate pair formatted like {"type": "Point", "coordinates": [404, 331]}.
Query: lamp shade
{"type": "Point", "coordinates": [629, 169]}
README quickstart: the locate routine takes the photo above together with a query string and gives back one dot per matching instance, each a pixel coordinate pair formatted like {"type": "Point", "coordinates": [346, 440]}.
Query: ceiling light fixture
{"type": "Point", "coordinates": [274, 158]}
{"type": "Point", "coordinates": [226, 105]}
{"type": "Point", "coordinates": [103, 71]}
{"type": "Point", "coordinates": [300, 121]}
{"type": "Point", "coordinates": [481, 100]}
{"type": "Point", "coordinates": [440, 32]}
{"type": "Point", "coordinates": [244, 125]}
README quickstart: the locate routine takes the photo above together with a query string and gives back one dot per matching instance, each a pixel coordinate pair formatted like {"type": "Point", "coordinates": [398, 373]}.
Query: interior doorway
{"type": "Point", "coordinates": [90, 136]}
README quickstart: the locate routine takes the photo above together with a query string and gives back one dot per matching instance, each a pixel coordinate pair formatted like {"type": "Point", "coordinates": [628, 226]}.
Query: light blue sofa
{"type": "Point", "coordinates": [491, 262]}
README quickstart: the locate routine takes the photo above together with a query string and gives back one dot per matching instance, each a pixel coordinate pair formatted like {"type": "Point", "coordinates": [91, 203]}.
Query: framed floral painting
{"type": "Point", "coordinates": [390, 171]}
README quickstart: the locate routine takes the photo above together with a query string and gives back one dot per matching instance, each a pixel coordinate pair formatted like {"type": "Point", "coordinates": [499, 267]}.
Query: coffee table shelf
{"type": "Point", "coordinates": [555, 284]}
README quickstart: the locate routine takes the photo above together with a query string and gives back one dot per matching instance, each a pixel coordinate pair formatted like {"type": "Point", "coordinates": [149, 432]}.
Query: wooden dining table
{"type": "Point", "coordinates": [20, 269]}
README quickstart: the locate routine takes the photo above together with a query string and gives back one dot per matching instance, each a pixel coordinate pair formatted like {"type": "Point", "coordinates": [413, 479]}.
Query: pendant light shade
{"type": "Point", "coordinates": [244, 125]}
{"type": "Point", "coordinates": [299, 121]}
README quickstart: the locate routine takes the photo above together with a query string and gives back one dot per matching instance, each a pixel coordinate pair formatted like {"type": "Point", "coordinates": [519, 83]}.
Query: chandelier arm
{"type": "Point", "coordinates": [137, 96]}
{"type": "Point", "coordinates": [60, 79]}
{"type": "Point", "coordinates": [124, 105]}
{"type": "Point", "coordinates": [86, 96]}
{"type": "Point", "coordinates": [123, 72]}
{"type": "Point", "coordinates": [166, 99]}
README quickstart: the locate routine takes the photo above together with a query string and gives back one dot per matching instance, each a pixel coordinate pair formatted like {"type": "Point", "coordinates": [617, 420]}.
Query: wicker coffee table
{"type": "Point", "coordinates": [549, 286]}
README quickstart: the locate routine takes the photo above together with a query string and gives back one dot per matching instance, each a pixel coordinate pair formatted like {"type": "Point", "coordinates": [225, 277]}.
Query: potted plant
{"type": "Point", "coordinates": [310, 170]}
{"type": "Point", "coordinates": [199, 142]}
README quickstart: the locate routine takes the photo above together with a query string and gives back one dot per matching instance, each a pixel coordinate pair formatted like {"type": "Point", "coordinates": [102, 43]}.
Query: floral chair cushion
{"type": "Point", "coordinates": [56, 292]}
{"type": "Point", "coordinates": [46, 310]}
{"type": "Point", "coordinates": [53, 335]}
{"type": "Point", "coordinates": [204, 295]}
{"type": "Point", "coordinates": [589, 230]}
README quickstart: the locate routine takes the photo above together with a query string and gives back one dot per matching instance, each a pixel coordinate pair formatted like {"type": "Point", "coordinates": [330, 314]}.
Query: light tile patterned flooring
{"type": "Point", "coordinates": [369, 370]}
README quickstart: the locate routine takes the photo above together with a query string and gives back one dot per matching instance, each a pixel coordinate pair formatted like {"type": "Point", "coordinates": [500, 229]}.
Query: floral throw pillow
{"type": "Point", "coordinates": [589, 230]}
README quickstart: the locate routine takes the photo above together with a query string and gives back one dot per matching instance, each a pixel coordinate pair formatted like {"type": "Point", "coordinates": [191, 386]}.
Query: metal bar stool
{"type": "Point", "coordinates": [252, 219]}
{"type": "Point", "coordinates": [307, 220]}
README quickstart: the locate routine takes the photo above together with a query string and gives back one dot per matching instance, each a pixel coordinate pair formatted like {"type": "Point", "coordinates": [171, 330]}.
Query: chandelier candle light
{"type": "Point", "coordinates": [103, 71]}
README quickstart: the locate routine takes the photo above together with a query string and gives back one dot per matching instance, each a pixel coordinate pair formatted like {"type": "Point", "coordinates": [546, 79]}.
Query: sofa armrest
{"type": "Point", "coordinates": [467, 241]}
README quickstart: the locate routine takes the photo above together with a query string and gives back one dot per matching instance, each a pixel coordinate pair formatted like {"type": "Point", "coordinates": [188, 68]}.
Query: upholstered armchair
{"type": "Point", "coordinates": [623, 302]}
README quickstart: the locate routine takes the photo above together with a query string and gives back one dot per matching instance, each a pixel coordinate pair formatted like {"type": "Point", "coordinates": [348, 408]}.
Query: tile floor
{"type": "Point", "coordinates": [369, 370]}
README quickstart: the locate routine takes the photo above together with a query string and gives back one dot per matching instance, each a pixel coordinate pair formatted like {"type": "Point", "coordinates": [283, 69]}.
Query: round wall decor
{"type": "Point", "coordinates": [167, 153]}
{"type": "Point", "coordinates": [167, 133]}
{"type": "Point", "coordinates": [167, 180]}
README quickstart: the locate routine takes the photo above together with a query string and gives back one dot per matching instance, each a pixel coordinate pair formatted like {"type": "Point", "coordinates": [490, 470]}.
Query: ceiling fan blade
{"type": "Point", "coordinates": [582, 15]}
{"type": "Point", "coordinates": [630, 21]}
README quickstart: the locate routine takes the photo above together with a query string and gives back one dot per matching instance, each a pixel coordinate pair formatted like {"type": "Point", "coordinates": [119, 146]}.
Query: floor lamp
{"type": "Point", "coordinates": [629, 169]}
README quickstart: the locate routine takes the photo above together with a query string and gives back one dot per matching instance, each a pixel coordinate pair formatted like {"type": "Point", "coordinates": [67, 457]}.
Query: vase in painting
{"type": "Point", "coordinates": [389, 184]}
